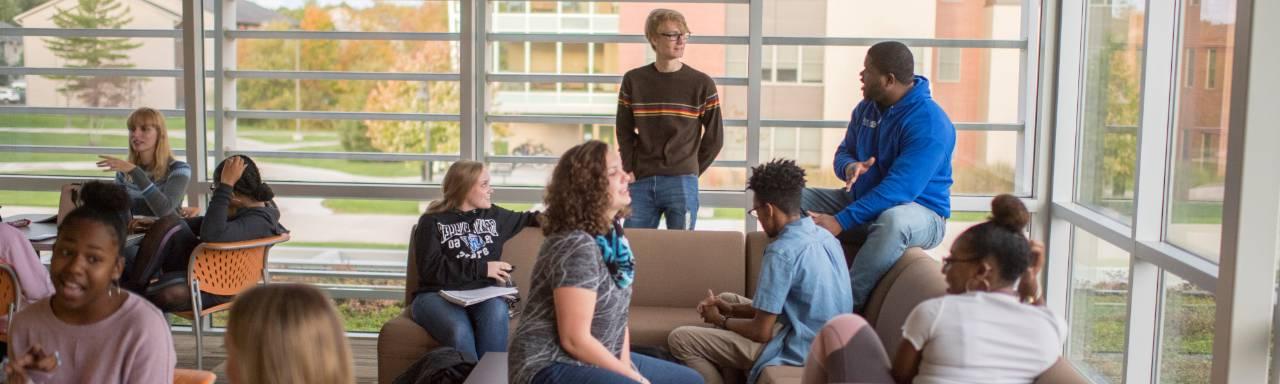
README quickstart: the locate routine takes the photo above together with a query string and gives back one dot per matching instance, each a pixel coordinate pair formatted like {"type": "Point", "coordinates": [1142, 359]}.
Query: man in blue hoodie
{"type": "Point", "coordinates": [896, 163]}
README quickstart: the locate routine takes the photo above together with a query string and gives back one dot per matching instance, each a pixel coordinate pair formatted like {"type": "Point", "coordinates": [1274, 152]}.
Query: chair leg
{"type": "Point", "coordinates": [196, 320]}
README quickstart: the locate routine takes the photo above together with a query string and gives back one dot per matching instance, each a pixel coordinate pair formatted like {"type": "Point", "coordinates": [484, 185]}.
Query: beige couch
{"type": "Point", "coordinates": [674, 271]}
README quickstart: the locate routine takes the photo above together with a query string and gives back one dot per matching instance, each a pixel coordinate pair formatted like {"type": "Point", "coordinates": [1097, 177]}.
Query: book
{"type": "Point", "coordinates": [472, 296]}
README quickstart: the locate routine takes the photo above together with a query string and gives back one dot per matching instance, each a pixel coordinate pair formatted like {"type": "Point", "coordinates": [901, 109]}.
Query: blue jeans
{"type": "Point", "coordinates": [471, 330]}
{"type": "Point", "coordinates": [656, 371]}
{"type": "Point", "coordinates": [653, 197]}
{"type": "Point", "coordinates": [887, 237]}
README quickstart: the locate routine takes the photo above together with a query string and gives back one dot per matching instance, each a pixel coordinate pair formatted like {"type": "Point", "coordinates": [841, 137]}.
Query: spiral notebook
{"type": "Point", "coordinates": [470, 297]}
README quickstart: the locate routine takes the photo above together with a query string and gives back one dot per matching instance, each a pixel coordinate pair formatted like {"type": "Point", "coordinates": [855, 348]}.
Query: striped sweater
{"type": "Point", "coordinates": [668, 123]}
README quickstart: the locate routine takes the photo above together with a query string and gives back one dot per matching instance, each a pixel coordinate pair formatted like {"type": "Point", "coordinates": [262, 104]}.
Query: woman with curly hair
{"type": "Point", "coordinates": [574, 328]}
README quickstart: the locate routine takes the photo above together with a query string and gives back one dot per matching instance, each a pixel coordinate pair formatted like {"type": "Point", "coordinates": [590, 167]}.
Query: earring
{"type": "Point", "coordinates": [983, 285]}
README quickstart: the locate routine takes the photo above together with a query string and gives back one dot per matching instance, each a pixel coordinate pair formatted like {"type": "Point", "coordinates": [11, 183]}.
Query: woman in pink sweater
{"type": "Point", "coordinates": [17, 252]}
{"type": "Point", "coordinates": [90, 330]}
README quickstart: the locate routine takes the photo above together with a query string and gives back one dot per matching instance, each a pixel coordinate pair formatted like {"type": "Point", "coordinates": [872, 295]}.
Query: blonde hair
{"type": "Point", "coordinates": [458, 181]}
{"type": "Point", "coordinates": [661, 16]}
{"type": "Point", "coordinates": [288, 333]}
{"type": "Point", "coordinates": [158, 164]}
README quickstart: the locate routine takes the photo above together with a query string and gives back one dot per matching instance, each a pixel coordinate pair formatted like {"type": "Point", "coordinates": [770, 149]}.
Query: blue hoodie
{"type": "Point", "coordinates": [912, 142]}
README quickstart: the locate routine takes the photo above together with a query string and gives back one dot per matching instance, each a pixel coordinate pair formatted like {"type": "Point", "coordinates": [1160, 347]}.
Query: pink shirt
{"type": "Point", "coordinates": [132, 345]}
{"type": "Point", "coordinates": [17, 252]}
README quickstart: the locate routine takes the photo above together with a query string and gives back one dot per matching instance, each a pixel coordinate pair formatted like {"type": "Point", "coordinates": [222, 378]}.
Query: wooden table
{"type": "Point", "coordinates": [492, 369]}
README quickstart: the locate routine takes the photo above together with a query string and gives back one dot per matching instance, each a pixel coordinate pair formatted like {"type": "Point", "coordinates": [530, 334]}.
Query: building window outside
{"type": "Point", "coordinates": [1189, 68]}
{"type": "Point", "coordinates": [1211, 68]}
{"type": "Point", "coordinates": [949, 65]}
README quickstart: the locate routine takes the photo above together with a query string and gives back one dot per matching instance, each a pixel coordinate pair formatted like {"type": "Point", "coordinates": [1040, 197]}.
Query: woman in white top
{"type": "Point", "coordinates": [990, 328]}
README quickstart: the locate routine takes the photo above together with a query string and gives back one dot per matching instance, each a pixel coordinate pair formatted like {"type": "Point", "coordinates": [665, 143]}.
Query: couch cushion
{"type": "Point", "coordinates": [756, 243]}
{"type": "Point", "coordinates": [916, 277]}
{"type": "Point", "coordinates": [521, 251]}
{"type": "Point", "coordinates": [781, 374]}
{"type": "Point", "coordinates": [400, 343]}
{"type": "Point", "coordinates": [651, 325]}
{"type": "Point", "coordinates": [676, 268]}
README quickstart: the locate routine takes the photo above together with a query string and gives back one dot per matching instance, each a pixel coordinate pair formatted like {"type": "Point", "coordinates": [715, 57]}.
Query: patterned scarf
{"type": "Point", "coordinates": [617, 256]}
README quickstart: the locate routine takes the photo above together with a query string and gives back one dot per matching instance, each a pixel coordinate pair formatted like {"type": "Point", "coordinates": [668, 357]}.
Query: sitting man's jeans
{"type": "Point", "coordinates": [673, 197]}
{"type": "Point", "coordinates": [472, 330]}
{"type": "Point", "coordinates": [887, 237]}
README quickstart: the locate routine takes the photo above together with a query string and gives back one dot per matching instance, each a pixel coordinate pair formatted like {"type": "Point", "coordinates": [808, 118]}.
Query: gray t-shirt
{"type": "Point", "coordinates": [566, 260]}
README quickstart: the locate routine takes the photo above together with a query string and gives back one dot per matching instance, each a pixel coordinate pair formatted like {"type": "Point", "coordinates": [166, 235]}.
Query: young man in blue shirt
{"type": "Point", "coordinates": [896, 163]}
{"type": "Point", "coordinates": [803, 283]}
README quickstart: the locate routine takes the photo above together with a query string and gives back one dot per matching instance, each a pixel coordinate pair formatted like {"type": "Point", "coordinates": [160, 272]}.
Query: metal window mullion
{"type": "Point", "coordinates": [1070, 74]}
{"type": "Point", "coordinates": [1251, 202]}
{"type": "Point", "coordinates": [323, 115]}
{"type": "Point", "coordinates": [84, 72]}
{"type": "Point", "coordinates": [593, 38]}
{"type": "Point", "coordinates": [480, 96]}
{"type": "Point", "coordinates": [80, 111]}
{"type": "Point", "coordinates": [341, 35]}
{"type": "Point", "coordinates": [337, 75]}
{"type": "Point", "coordinates": [91, 32]}
{"type": "Point", "coordinates": [469, 83]}
{"type": "Point", "coordinates": [1142, 344]}
{"type": "Point", "coordinates": [193, 75]}
{"type": "Point", "coordinates": [755, 50]}
{"type": "Point", "coordinates": [911, 42]}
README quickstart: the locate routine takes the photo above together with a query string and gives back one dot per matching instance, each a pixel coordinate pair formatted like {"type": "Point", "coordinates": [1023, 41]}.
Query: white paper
{"type": "Point", "coordinates": [472, 296]}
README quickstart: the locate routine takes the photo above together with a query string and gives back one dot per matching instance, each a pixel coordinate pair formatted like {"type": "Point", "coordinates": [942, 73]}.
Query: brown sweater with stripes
{"type": "Point", "coordinates": [668, 123]}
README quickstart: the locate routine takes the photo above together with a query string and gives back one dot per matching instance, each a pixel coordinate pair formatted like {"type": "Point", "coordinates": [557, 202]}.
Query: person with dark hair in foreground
{"type": "Point", "coordinates": [896, 163]}
{"type": "Point", "coordinates": [991, 326]}
{"type": "Point", "coordinates": [803, 283]}
{"type": "Point", "coordinates": [242, 208]}
{"type": "Point", "coordinates": [90, 330]}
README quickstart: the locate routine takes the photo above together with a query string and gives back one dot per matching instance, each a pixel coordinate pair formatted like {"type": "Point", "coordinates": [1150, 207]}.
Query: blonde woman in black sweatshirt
{"type": "Point", "coordinates": [459, 247]}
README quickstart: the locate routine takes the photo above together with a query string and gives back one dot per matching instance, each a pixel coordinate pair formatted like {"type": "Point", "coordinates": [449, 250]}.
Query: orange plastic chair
{"type": "Point", "coordinates": [224, 269]}
{"type": "Point", "coordinates": [192, 376]}
{"type": "Point", "coordinates": [10, 296]}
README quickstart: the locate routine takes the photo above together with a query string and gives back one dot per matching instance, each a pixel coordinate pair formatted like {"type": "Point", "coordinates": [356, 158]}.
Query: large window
{"type": "Point", "coordinates": [1111, 106]}
{"type": "Point", "coordinates": [1099, 307]}
{"type": "Point", "coordinates": [1199, 153]}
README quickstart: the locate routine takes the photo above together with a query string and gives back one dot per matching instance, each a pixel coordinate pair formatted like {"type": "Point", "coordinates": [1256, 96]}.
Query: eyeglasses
{"type": "Point", "coordinates": [753, 212]}
{"type": "Point", "coordinates": [673, 36]}
{"type": "Point", "coordinates": [947, 262]}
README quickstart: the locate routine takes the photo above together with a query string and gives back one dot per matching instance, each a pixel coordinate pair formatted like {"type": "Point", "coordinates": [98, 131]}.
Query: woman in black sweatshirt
{"type": "Point", "coordinates": [242, 208]}
{"type": "Point", "coordinates": [459, 247]}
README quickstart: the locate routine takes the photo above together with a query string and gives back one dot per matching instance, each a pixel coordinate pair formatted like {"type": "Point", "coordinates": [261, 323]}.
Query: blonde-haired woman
{"type": "Point", "coordinates": [286, 333]}
{"type": "Point", "coordinates": [459, 247]}
{"type": "Point", "coordinates": [155, 180]}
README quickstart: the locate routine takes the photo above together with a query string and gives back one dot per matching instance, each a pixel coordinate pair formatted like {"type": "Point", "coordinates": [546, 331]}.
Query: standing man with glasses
{"type": "Point", "coordinates": [668, 127]}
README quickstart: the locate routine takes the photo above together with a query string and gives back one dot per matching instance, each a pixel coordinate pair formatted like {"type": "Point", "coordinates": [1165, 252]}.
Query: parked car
{"type": "Point", "coordinates": [9, 96]}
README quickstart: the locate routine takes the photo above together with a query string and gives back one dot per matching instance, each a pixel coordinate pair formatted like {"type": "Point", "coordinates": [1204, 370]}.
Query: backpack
{"type": "Point", "coordinates": [443, 365]}
{"type": "Point", "coordinates": [169, 237]}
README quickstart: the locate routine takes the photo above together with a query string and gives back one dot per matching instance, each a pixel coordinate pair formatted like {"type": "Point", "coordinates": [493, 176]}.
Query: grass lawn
{"type": "Point", "coordinates": [29, 198]}
{"type": "Point", "coordinates": [347, 245]}
{"type": "Point", "coordinates": [969, 217]}
{"type": "Point", "coordinates": [356, 167]}
{"type": "Point", "coordinates": [380, 207]}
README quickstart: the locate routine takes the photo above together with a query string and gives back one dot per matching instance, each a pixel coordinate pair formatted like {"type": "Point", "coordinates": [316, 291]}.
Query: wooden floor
{"type": "Point", "coordinates": [363, 350]}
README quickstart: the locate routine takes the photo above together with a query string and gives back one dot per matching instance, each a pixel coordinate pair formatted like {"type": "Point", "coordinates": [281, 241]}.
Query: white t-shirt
{"type": "Point", "coordinates": [986, 338]}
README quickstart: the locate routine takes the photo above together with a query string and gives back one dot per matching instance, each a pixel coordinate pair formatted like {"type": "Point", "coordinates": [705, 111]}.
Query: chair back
{"type": "Point", "coordinates": [168, 237]}
{"type": "Point", "coordinates": [227, 269]}
{"type": "Point", "coordinates": [10, 297]}
{"type": "Point", "coordinates": [192, 376]}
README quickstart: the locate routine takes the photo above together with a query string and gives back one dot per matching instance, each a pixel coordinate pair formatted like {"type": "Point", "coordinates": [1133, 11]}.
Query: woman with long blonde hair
{"type": "Point", "coordinates": [458, 246]}
{"type": "Point", "coordinates": [155, 180]}
{"type": "Point", "coordinates": [287, 333]}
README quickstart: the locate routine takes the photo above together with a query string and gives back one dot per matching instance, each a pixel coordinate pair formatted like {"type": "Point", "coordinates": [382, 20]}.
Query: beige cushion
{"type": "Point", "coordinates": [676, 268]}
{"type": "Point", "coordinates": [781, 374]}
{"type": "Point", "coordinates": [651, 325]}
{"type": "Point", "coordinates": [756, 243]}
{"type": "Point", "coordinates": [916, 277]}
{"type": "Point", "coordinates": [1061, 372]}
{"type": "Point", "coordinates": [400, 343]}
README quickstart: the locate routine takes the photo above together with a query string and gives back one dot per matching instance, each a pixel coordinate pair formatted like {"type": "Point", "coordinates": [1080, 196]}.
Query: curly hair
{"type": "Point", "coordinates": [779, 182]}
{"type": "Point", "coordinates": [578, 194]}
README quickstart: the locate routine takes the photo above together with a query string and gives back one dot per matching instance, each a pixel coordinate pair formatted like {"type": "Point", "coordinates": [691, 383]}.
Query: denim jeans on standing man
{"type": "Point", "coordinates": [887, 237]}
{"type": "Point", "coordinates": [655, 197]}
{"type": "Point", "coordinates": [472, 330]}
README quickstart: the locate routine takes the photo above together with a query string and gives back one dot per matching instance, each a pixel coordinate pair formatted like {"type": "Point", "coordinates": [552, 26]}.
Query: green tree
{"type": "Point", "coordinates": [11, 8]}
{"type": "Point", "coordinates": [95, 52]}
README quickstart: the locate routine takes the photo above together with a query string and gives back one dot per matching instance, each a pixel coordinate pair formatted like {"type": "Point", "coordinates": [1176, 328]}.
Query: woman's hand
{"type": "Point", "coordinates": [36, 360]}
{"type": "Point", "coordinates": [500, 271]}
{"type": "Point", "coordinates": [115, 165]}
{"type": "Point", "coordinates": [232, 168]}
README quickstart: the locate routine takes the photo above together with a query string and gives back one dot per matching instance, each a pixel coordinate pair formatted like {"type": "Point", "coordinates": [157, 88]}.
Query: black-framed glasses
{"type": "Point", "coordinates": [948, 261]}
{"type": "Point", "coordinates": [673, 36]}
{"type": "Point", "coordinates": [754, 213]}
